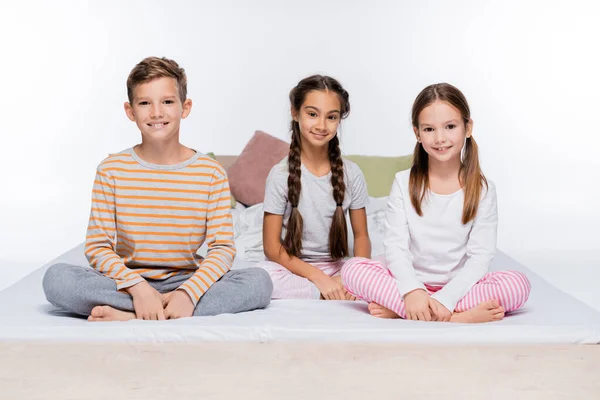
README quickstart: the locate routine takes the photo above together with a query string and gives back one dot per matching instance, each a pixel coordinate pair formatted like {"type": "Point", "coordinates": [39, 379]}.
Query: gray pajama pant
{"type": "Point", "coordinates": [79, 289]}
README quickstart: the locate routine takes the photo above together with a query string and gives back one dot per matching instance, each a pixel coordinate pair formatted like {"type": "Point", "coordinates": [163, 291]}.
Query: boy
{"type": "Point", "coordinates": [153, 206]}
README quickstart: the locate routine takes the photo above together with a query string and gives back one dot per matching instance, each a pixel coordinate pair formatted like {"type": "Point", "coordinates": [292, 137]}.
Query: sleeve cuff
{"type": "Point", "coordinates": [445, 300]}
{"type": "Point", "coordinates": [359, 205]}
{"type": "Point", "coordinates": [274, 210]}
{"type": "Point", "coordinates": [407, 286]}
{"type": "Point", "coordinates": [190, 293]}
{"type": "Point", "coordinates": [129, 282]}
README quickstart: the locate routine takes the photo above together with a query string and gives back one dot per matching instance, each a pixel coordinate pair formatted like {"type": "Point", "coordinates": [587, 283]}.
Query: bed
{"type": "Point", "coordinates": [545, 350]}
{"type": "Point", "coordinates": [550, 316]}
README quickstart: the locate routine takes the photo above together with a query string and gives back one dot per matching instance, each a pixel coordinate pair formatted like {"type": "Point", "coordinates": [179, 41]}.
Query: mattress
{"type": "Point", "coordinates": [550, 316]}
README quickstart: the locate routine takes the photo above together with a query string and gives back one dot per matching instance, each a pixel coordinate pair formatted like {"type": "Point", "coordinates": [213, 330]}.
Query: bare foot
{"type": "Point", "coordinates": [107, 313]}
{"type": "Point", "coordinates": [381, 312]}
{"type": "Point", "coordinates": [486, 311]}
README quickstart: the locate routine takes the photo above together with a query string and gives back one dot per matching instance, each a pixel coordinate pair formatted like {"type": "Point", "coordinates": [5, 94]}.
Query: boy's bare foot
{"type": "Point", "coordinates": [107, 313]}
{"type": "Point", "coordinates": [381, 312]}
{"type": "Point", "coordinates": [486, 311]}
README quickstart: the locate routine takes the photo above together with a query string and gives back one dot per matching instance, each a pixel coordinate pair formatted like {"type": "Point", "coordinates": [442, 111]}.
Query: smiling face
{"type": "Point", "coordinates": [319, 117]}
{"type": "Point", "coordinates": [442, 131]}
{"type": "Point", "coordinates": [157, 109]}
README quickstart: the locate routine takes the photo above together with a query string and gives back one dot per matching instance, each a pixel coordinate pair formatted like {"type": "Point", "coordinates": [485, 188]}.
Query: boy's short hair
{"type": "Point", "coordinates": [151, 68]}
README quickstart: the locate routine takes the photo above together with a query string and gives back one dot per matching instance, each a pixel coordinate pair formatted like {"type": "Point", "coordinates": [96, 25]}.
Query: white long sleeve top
{"type": "Point", "coordinates": [437, 249]}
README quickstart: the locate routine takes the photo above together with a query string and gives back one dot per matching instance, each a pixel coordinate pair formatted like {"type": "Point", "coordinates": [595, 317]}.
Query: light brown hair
{"type": "Point", "coordinates": [151, 68]}
{"type": "Point", "coordinates": [471, 178]}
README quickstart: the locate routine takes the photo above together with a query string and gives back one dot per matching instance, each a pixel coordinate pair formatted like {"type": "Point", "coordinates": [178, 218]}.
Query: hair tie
{"type": "Point", "coordinates": [293, 206]}
{"type": "Point", "coordinates": [339, 204]}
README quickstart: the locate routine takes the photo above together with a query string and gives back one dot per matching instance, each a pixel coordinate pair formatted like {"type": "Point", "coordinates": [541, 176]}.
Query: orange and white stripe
{"type": "Point", "coordinates": [148, 223]}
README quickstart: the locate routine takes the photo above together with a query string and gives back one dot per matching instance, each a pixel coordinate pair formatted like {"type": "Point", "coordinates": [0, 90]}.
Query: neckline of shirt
{"type": "Point", "coordinates": [163, 167]}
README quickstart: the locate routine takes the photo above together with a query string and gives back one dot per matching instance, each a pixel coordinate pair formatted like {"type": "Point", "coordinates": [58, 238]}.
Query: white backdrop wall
{"type": "Point", "coordinates": [529, 70]}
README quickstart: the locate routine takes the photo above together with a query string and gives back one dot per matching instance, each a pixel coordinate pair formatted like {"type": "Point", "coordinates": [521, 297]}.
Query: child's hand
{"type": "Point", "coordinates": [147, 302]}
{"type": "Point", "coordinates": [348, 296]}
{"type": "Point", "coordinates": [331, 288]}
{"type": "Point", "coordinates": [179, 305]}
{"type": "Point", "coordinates": [440, 313]}
{"type": "Point", "coordinates": [416, 304]}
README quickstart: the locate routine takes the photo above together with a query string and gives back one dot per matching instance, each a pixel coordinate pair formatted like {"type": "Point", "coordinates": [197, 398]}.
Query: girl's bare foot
{"type": "Point", "coordinates": [381, 312]}
{"type": "Point", "coordinates": [107, 313]}
{"type": "Point", "coordinates": [486, 311]}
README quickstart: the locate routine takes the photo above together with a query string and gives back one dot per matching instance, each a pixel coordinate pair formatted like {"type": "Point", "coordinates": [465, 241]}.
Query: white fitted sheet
{"type": "Point", "coordinates": [550, 316]}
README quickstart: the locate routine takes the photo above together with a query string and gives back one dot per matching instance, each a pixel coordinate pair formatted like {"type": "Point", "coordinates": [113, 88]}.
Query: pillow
{"type": "Point", "coordinates": [233, 201]}
{"type": "Point", "coordinates": [380, 171]}
{"type": "Point", "coordinates": [248, 175]}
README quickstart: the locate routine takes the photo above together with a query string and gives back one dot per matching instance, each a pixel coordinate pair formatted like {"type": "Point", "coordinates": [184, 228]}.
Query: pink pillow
{"type": "Point", "coordinates": [248, 175]}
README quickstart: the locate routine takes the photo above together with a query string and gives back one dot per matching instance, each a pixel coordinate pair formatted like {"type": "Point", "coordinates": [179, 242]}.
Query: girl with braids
{"type": "Point", "coordinates": [308, 195]}
{"type": "Point", "coordinates": [441, 228]}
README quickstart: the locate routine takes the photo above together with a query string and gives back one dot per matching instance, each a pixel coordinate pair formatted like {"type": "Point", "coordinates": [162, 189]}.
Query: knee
{"type": "Point", "coordinates": [518, 280]}
{"type": "Point", "coordinates": [349, 270]}
{"type": "Point", "coordinates": [261, 286]}
{"type": "Point", "coordinates": [54, 281]}
{"type": "Point", "coordinates": [519, 285]}
{"type": "Point", "coordinates": [523, 283]}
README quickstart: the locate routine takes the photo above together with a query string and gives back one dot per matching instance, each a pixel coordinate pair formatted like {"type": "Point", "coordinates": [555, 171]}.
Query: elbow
{"type": "Point", "coordinates": [362, 246]}
{"type": "Point", "coordinates": [362, 236]}
{"type": "Point", "coordinates": [367, 241]}
{"type": "Point", "coordinates": [272, 252]}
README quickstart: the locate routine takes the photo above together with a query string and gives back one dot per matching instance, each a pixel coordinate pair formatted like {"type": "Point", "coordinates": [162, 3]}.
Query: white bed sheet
{"type": "Point", "coordinates": [550, 316]}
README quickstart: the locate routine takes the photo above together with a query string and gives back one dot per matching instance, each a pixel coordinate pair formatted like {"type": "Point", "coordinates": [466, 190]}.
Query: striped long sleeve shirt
{"type": "Point", "coordinates": [148, 221]}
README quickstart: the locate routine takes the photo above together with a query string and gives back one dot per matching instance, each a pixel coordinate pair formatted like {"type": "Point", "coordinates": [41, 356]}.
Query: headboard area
{"type": "Point", "coordinates": [226, 161]}
{"type": "Point", "coordinates": [248, 171]}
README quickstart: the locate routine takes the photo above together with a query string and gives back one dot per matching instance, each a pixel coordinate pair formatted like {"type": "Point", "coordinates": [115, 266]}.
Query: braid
{"type": "Point", "coordinates": [338, 233]}
{"type": "Point", "coordinates": [293, 237]}
{"type": "Point", "coordinates": [337, 171]}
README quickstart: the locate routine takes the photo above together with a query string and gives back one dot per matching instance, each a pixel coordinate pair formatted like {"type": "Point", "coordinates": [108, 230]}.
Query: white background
{"type": "Point", "coordinates": [529, 70]}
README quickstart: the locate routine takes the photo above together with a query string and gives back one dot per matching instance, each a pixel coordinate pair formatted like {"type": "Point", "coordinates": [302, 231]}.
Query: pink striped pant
{"type": "Point", "coordinates": [287, 285]}
{"type": "Point", "coordinates": [370, 281]}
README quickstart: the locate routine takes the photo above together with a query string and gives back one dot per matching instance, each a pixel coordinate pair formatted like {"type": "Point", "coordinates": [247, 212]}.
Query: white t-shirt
{"type": "Point", "coordinates": [437, 249]}
{"type": "Point", "coordinates": [316, 204]}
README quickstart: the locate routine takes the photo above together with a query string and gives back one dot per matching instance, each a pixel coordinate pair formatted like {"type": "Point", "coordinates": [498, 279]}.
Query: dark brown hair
{"type": "Point", "coordinates": [471, 178]}
{"type": "Point", "coordinates": [151, 68]}
{"type": "Point", "coordinates": [338, 233]}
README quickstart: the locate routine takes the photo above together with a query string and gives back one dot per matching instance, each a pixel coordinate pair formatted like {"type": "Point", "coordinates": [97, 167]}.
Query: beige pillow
{"type": "Point", "coordinates": [380, 171]}
{"type": "Point", "coordinates": [233, 202]}
{"type": "Point", "coordinates": [248, 175]}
